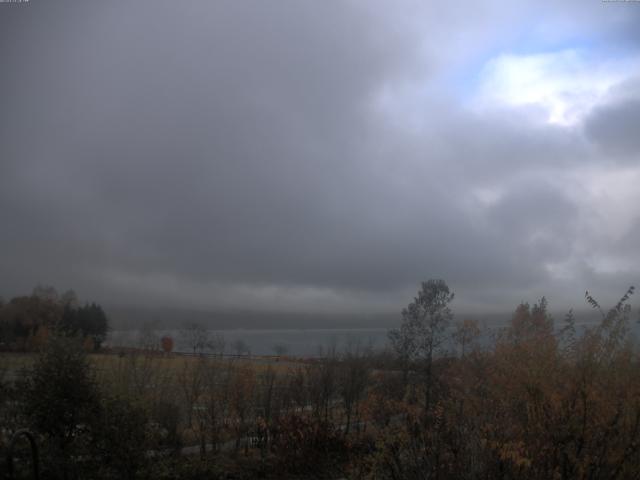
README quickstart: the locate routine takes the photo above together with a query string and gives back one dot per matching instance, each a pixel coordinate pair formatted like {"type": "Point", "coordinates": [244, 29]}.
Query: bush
{"type": "Point", "coordinates": [308, 446]}
{"type": "Point", "coordinates": [59, 399]}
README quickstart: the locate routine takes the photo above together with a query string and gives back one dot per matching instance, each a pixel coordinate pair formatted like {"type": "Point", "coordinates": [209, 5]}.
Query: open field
{"type": "Point", "coordinates": [12, 362]}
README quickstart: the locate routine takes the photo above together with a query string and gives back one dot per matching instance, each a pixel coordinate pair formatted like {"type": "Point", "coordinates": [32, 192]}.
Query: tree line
{"type": "Point", "coordinates": [26, 322]}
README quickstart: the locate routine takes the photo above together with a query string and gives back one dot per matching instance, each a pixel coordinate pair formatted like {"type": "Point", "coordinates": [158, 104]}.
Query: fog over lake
{"type": "Point", "coordinates": [313, 341]}
{"type": "Point", "coordinates": [308, 342]}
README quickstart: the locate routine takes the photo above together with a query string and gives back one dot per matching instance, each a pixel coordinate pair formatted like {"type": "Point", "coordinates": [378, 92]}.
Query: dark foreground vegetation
{"type": "Point", "coordinates": [543, 401]}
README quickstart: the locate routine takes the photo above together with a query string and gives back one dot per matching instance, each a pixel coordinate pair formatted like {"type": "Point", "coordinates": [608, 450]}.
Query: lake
{"type": "Point", "coordinates": [298, 342]}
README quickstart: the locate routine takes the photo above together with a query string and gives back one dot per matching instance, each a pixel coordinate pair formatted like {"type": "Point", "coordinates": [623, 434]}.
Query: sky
{"type": "Point", "coordinates": [312, 156]}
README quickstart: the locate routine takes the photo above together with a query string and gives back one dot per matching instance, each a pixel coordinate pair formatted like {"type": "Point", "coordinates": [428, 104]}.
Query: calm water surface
{"type": "Point", "coordinates": [305, 342]}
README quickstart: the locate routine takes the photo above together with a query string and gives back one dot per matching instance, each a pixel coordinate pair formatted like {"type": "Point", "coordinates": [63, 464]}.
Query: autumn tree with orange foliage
{"type": "Point", "coordinates": [539, 404]}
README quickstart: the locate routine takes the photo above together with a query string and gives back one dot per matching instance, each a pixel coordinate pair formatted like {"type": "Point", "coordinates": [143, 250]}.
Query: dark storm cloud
{"type": "Point", "coordinates": [615, 127]}
{"type": "Point", "coordinates": [203, 152]}
{"type": "Point", "coordinates": [215, 140]}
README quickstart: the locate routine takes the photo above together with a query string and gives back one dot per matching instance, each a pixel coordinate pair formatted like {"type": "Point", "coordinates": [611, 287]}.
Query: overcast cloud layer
{"type": "Point", "coordinates": [320, 156]}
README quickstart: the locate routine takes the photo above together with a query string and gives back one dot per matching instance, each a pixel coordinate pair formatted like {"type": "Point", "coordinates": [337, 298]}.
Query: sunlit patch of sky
{"type": "Point", "coordinates": [556, 77]}
{"type": "Point", "coordinates": [517, 40]}
{"type": "Point", "coordinates": [560, 86]}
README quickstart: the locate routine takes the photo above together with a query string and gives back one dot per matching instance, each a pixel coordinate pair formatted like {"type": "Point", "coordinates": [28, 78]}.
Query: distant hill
{"type": "Point", "coordinates": [125, 318]}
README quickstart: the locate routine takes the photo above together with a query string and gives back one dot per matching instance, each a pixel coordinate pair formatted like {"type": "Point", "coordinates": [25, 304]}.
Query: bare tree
{"type": "Point", "coordinates": [214, 403]}
{"type": "Point", "coordinates": [267, 404]}
{"type": "Point", "coordinates": [321, 378]}
{"type": "Point", "coordinates": [241, 401]}
{"type": "Point", "coordinates": [148, 338]}
{"type": "Point", "coordinates": [217, 344]}
{"type": "Point", "coordinates": [241, 348]}
{"type": "Point", "coordinates": [352, 382]}
{"type": "Point", "coordinates": [191, 381]}
{"type": "Point", "coordinates": [280, 349]}
{"type": "Point", "coordinates": [195, 336]}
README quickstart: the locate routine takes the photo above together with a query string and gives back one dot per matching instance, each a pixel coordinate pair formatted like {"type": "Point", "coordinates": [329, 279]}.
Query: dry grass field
{"type": "Point", "coordinates": [110, 366]}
